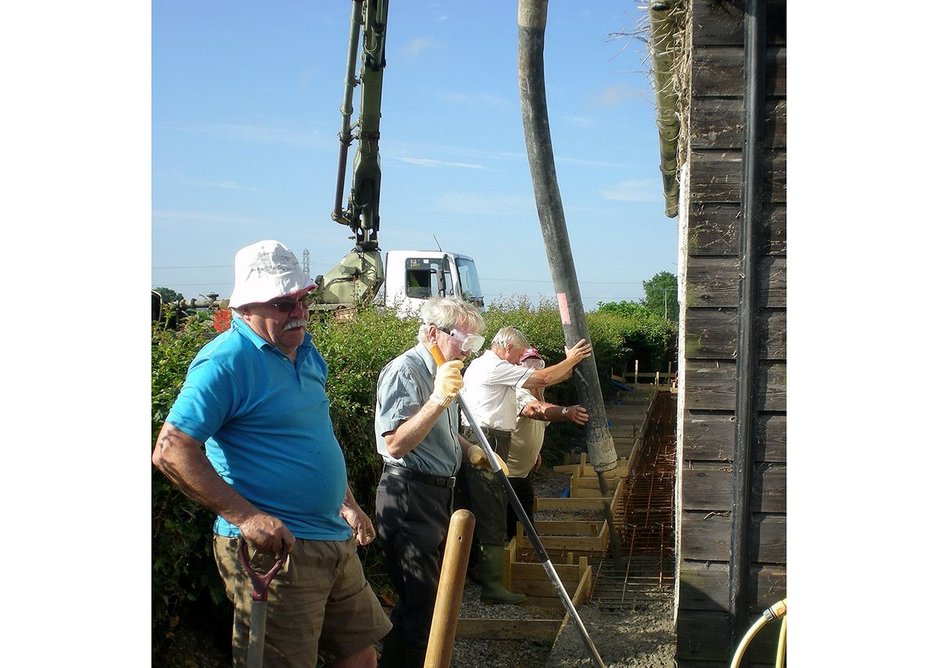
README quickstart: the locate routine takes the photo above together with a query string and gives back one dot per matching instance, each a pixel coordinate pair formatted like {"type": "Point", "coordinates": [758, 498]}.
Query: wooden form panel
{"type": "Point", "coordinates": [710, 436]}
{"type": "Point", "coordinates": [713, 282]}
{"type": "Point", "coordinates": [713, 229]}
{"type": "Point", "coordinates": [705, 536]}
{"type": "Point", "coordinates": [718, 123]}
{"type": "Point", "coordinates": [706, 586]}
{"type": "Point", "coordinates": [718, 71]}
{"type": "Point", "coordinates": [497, 629]}
{"type": "Point", "coordinates": [709, 487]}
{"type": "Point", "coordinates": [716, 176]}
{"type": "Point", "coordinates": [711, 385]}
{"type": "Point", "coordinates": [712, 334]}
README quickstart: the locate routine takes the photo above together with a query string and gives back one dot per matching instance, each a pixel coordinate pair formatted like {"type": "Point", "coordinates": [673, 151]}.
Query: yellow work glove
{"type": "Point", "coordinates": [478, 459]}
{"type": "Point", "coordinates": [448, 382]}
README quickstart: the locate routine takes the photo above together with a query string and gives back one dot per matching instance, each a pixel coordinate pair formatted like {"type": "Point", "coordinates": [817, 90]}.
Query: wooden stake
{"type": "Point", "coordinates": [449, 591]}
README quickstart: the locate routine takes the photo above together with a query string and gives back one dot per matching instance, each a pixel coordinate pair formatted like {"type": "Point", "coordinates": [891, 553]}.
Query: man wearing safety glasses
{"type": "Point", "coordinates": [490, 384]}
{"type": "Point", "coordinates": [417, 435]}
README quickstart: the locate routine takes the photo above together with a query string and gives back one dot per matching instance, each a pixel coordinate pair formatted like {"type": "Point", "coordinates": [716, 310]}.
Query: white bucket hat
{"type": "Point", "coordinates": [266, 270]}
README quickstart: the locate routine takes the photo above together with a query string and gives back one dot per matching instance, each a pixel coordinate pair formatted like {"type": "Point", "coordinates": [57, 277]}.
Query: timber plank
{"type": "Point", "coordinates": [705, 536]}
{"type": "Point", "coordinates": [703, 635]}
{"type": "Point", "coordinates": [713, 229]}
{"type": "Point", "coordinates": [706, 586]}
{"type": "Point", "coordinates": [716, 176]}
{"type": "Point", "coordinates": [712, 333]}
{"type": "Point", "coordinates": [563, 544]}
{"type": "Point", "coordinates": [711, 385]}
{"type": "Point", "coordinates": [710, 436]}
{"type": "Point", "coordinates": [543, 588]}
{"type": "Point", "coordinates": [521, 571]}
{"type": "Point", "coordinates": [710, 487]}
{"type": "Point", "coordinates": [721, 23]}
{"type": "Point", "coordinates": [541, 503]}
{"type": "Point", "coordinates": [584, 471]}
{"type": "Point", "coordinates": [718, 71]}
{"type": "Point", "coordinates": [717, 123]}
{"type": "Point", "coordinates": [713, 282]}
{"type": "Point", "coordinates": [497, 629]}
{"type": "Point", "coordinates": [567, 528]}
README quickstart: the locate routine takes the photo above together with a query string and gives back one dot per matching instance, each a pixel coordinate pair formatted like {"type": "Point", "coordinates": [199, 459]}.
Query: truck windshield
{"type": "Point", "coordinates": [469, 280]}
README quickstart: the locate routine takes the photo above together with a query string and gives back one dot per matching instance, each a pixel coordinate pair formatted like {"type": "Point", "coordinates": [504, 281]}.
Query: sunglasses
{"type": "Point", "coordinates": [289, 305]}
{"type": "Point", "coordinates": [468, 342]}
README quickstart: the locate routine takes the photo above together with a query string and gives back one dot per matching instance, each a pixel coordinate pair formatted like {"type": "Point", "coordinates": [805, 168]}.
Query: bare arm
{"type": "Point", "coordinates": [351, 512]}
{"type": "Point", "coordinates": [562, 370]}
{"type": "Point", "coordinates": [412, 431]}
{"type": "Point", "coordinates": [543, 410]}
{"type": "Point", "coordinates": [181, 459]}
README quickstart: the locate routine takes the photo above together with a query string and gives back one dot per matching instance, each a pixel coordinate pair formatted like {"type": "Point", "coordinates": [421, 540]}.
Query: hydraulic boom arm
{"type": "Point", "coordinates": [368, 24]}
{"type": "Point", "coordinates": [360, 274]}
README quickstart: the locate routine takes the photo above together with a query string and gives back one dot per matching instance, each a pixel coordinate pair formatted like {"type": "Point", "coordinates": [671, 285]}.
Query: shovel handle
{"type": "Point", "coordinates": [261, 582]}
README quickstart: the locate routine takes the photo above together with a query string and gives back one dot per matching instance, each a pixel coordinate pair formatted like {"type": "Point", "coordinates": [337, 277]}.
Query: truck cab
{"type": "Point", "coordinates": [413, 276]}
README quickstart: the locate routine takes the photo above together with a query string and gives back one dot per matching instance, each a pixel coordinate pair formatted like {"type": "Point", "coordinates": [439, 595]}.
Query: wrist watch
{"type": "Point", "coordinates": [566, 409]}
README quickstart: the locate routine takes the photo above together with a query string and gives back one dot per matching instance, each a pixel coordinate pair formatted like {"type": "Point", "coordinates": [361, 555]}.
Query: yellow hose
{"type": "Point", "coordinates": [777, 611]}
{"type": "Point", "coordinates": [782, 643]}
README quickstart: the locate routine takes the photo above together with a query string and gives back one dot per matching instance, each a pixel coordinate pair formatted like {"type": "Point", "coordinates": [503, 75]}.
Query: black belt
{"type": "Point", "coordinates": [426, 478]}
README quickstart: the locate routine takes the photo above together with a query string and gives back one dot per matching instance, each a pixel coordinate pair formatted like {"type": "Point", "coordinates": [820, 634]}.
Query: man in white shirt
{"type": "Point", "coordinates": [489, 394]}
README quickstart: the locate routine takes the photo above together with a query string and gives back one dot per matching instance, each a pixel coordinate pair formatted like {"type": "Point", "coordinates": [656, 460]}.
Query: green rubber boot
{"type": "Point", "coordinates": [490, 569]}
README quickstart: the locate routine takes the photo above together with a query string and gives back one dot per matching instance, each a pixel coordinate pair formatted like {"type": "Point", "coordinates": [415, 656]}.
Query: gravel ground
{"type": "Point", "coordinates": [638, 637]}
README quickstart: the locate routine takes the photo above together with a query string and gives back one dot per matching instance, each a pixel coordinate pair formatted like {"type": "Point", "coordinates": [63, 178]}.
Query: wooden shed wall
{"type": "Point", "coordinates": [712, 195]}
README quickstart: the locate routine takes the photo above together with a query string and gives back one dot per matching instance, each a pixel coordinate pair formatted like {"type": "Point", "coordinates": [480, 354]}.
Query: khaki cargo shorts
{"type": "Point", "coordinates": [319, 604]}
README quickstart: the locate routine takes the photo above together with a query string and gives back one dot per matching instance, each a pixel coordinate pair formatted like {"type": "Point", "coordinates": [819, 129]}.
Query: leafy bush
{"type": "Point", "coordinates": [186, 586]}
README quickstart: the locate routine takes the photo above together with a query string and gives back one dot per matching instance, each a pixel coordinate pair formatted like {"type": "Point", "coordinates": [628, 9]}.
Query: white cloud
{"type": "Point", "coordinates": [415, 47]}
{"type": "Point", "coordinates": [582, 122]}
{"type": "Point", "coordinates": [220, 184]}
{"type": "Point", "coordinates": [479, 100]}
{"type": "Point", "coordinates": [256, 134]}
{"type": "Point", "coordinates": [482, 204]}
{"type": "Point", "coordinates": [428, 162]}
{"type": "Point", "coordinates": [612, 96]}
{"type": "Point", "coordinates": [168, 217]}
{"type": "Point", "coordinates": [643, 190]}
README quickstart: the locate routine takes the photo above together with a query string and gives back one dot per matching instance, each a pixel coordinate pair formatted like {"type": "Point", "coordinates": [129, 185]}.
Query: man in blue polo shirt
{"type": "Point", "coordinates": [274, 472]}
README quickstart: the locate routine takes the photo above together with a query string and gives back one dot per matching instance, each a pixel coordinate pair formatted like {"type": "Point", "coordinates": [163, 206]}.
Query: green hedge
{"type": "Point", "coordinates": [186, 586]}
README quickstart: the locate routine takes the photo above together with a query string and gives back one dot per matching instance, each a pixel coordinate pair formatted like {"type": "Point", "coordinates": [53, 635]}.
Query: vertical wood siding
{"type": "Point", "coordinates": [711, 300]}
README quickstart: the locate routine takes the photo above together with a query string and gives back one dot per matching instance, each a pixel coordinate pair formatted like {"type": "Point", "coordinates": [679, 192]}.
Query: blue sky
{"type": "Point", "coordinates": [246, 97]}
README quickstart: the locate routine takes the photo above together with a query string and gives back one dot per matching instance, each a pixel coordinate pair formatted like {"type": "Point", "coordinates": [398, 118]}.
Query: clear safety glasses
{"type": "Point", "coordinates": [467, 342]}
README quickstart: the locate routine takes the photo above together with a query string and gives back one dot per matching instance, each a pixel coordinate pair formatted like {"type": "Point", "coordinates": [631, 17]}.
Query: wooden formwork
{"type": "Point", "coordinates": [531, 579]}
{"type": "Point", "coordinates": [588, 539]}
{"type": "Point", "coordinates": [583, 470]}
{"type": "Point", "coordinates": [562, 538]}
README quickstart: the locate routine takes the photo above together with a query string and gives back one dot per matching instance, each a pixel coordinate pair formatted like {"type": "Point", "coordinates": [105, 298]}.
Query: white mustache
{"type": "Point", "coordinates": [296, 322]}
